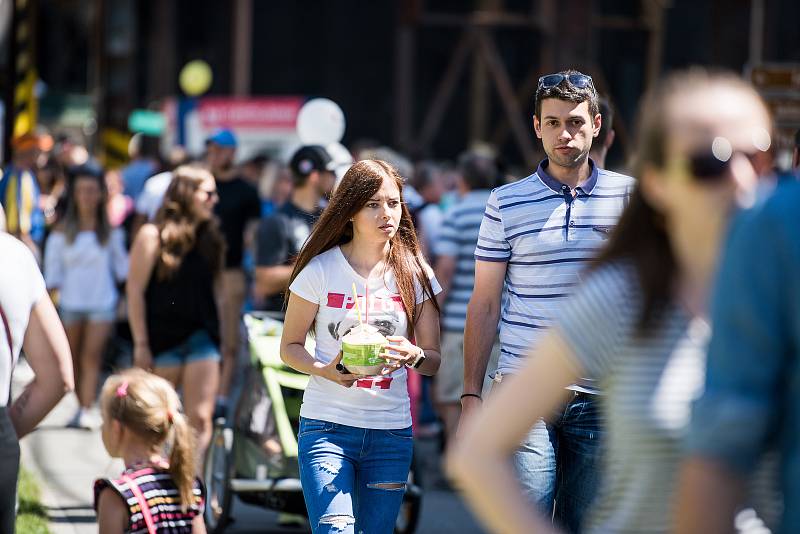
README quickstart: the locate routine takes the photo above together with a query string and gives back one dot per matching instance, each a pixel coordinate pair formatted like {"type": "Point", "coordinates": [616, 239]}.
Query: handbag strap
{"type": "Point", "coordinates": [10, 348]}
{"type": "Point", "coordinates": [143, 506]}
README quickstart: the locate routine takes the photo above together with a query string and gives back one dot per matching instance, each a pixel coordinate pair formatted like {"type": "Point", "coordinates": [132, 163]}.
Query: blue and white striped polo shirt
{"type": "Point", "coordinates": [457, 238]}
{"type": "Point", "coordinates": [546, 237]}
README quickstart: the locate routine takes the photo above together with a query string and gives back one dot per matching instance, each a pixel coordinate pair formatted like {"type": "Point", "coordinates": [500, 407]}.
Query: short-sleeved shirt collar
{"type": "Point", "coordinates": [553, 184]}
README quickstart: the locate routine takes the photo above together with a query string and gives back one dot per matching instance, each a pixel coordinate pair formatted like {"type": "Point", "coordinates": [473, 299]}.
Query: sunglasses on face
{"type": "Point", "coordinates": [210, 193]}
{"type": "Point", "coordinates": [577, 80]}
{"type": "Point", "coordinates": [711, 164]}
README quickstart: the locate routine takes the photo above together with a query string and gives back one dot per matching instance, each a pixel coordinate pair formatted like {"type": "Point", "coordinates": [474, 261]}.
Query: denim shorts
{"type": "Point", "coordinates": [197, 347]}
{"type": "Point", "coordinates": [69, 317]}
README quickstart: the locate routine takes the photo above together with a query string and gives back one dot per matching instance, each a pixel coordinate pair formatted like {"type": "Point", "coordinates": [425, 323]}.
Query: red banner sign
{"type": "Point", "coordinates": [260, 112]}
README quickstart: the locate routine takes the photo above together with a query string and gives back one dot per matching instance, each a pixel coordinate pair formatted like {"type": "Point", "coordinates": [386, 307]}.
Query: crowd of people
{"type": "Point", "coordinates": [566, 332]}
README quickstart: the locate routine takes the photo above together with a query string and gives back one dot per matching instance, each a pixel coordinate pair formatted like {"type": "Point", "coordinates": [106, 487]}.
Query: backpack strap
{"type": "Point", "coordinates": [143, 506]}
{"type": "Point", "coordinates": [10, 348]}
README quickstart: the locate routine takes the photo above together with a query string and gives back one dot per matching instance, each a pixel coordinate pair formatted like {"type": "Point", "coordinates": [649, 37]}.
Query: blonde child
{"type": "Point", "coordinates": [141, 420]}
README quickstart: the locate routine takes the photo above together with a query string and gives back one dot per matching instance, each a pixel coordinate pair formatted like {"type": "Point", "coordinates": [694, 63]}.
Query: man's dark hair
{"type": "Point", "coordinates": [258, 159]}
{"type": "Point", "coordinates": [566, 91]}
{"type": "Point", "coordinates": [425, 173]}
{"type": "Point", "coordinates": [150, 147]}
{"type": "Point", "coordinates": [477, 170]}
{"type": "Point", "coordinates": [607, 122]}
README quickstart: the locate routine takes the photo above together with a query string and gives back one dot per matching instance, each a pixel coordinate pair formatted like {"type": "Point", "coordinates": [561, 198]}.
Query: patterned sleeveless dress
{"type": "Point", "coordinates": [162, 496]}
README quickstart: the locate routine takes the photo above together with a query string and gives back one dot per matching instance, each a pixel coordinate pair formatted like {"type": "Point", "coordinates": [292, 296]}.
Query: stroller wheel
{"type": "Point", "coordinates": [217, 475]}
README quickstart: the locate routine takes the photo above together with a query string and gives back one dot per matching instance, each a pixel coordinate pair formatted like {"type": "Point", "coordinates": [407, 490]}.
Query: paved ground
{"type": "Point", "coordinates": [443, 512]}
{"type": "Point", "coordinates": [67, 461]}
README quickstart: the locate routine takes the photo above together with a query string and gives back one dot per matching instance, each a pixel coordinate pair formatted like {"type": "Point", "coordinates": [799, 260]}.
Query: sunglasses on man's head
{"type": "Point", "coordinates": [711, 164]}
{"type": "Point", "coordinates": [577, 80]}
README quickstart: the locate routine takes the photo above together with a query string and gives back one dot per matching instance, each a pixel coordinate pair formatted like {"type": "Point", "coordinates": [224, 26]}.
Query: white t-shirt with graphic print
{"type": "Point", "coordinates": [379, 402]}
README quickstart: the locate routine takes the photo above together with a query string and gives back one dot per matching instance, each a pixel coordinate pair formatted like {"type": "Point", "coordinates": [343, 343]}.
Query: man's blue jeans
{"type": "Point", "coordinates": [353, 478]}
{"type": "Point", "coordinates": [558, 464]}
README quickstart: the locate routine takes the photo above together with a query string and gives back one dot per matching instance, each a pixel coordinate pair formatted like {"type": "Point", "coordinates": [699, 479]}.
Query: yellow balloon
{"type": "Point", "coordinates": [195, 77]}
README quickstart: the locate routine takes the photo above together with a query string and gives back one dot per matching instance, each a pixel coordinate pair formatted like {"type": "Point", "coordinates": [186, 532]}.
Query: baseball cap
{"type": "Point", "coordinates": [26, 142]}
{"type": "Point", "coordinates": [311, 158]}
{"type": "Point", "coordinates": [223, 137]}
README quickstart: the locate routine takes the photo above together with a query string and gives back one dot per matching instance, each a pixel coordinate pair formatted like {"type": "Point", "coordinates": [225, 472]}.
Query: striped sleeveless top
{"type": "Point", "coordinates": [163, 499]}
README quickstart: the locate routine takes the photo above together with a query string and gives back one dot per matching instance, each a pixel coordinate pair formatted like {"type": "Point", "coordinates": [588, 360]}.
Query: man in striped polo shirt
{"type": "Point", "coordinates": [536, 237]}
{"type": "Point", "coordinates": [455, 271]}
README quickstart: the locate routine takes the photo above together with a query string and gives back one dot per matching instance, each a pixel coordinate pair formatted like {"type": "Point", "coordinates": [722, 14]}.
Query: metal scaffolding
{"type": "Point", "coordinates": [476, 49]}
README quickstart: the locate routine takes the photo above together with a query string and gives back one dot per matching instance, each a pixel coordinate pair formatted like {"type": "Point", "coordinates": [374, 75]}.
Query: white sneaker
{"type": "Point", "coordinates": [91, 419]}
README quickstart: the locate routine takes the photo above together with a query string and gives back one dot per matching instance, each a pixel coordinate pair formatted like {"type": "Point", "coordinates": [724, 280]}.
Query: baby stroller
{"type": "Point", "coordinates": [255, 457]}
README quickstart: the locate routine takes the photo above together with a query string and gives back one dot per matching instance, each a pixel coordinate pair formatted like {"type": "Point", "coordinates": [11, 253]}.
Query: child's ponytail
{"type": "Point", "coordinates": [148, 406]}
{"type": "Point", "coordinates": [182, 458]}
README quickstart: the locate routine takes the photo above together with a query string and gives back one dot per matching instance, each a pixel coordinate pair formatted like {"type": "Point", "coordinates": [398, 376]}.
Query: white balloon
{"type": "Point", "coordinates": [320, 122]}
{"type": "Point", "coordinates": [342, 160]}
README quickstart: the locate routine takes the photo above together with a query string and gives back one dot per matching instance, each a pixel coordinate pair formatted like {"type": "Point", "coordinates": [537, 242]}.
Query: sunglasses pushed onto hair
{"type": "Point", "coordinates": [577, 80]}
{"type": "Point", "coordinates": [711, 164]}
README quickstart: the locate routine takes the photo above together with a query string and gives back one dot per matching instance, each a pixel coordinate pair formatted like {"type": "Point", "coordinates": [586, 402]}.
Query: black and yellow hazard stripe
{"type": "Point", "coordinates": [114, 147]}
{"type": "Point", "coordinates": [25, 76]}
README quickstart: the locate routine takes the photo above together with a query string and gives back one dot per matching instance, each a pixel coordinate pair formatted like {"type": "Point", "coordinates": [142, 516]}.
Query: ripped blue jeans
{"type": "Point", "coordinates": [353, 478]}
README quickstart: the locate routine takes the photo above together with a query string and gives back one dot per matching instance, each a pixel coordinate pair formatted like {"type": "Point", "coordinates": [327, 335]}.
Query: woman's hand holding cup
{"type": "Point", "coordinates": [332, 372]}
{"type": "Point", "coordinates": [397, 353]}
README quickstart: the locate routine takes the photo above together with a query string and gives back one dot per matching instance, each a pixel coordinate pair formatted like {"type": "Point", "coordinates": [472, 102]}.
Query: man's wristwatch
{"type": "Point", "coordinates": [419, 360]}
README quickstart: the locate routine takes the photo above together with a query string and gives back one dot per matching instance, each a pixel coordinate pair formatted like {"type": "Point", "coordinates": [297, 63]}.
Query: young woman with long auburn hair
{"type": "Point", "coordinates": [174, 295]}
{"type": "Point", "coordinates": [355, 440]}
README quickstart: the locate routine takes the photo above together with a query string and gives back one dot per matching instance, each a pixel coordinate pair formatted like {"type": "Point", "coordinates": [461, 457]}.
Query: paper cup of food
{"type": "Point", "coordinates": [361, 350]}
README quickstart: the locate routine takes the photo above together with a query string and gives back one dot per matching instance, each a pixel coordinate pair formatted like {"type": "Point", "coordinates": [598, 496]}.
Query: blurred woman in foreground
{"type": "Point", "coordinates": [28, 322]}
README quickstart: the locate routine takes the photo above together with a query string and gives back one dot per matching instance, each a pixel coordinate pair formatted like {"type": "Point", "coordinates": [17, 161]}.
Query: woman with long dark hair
{"type": "Point", "coordinates": [84, 261]}
{"type": "Point", "coordinates": [355, 440]}
{"type": "Point", "coordinates": [174, 295]}
{"type": "Point", "coordinates": [638, 323]}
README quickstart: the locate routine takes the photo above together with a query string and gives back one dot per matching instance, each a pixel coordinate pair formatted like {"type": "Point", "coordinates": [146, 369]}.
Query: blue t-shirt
{"type": "Point", "coordinates": [457, 239]}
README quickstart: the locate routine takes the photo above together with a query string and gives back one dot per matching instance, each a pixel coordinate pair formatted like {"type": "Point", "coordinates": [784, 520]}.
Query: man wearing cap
{"type": "Point", "coordinates": [238, 205]}
{"type": "Point", "coordinates": [282, 235]}
{"type": "Point", "coordinates": [19, 193]}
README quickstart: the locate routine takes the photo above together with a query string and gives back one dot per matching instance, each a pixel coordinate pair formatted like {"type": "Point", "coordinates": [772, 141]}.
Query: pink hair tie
{"type": "Point", "coordinates": [122, 389]}
{"type": "Point", "coordinates": [170, 416]}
